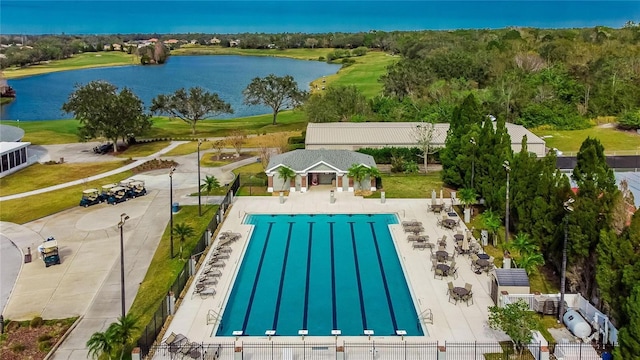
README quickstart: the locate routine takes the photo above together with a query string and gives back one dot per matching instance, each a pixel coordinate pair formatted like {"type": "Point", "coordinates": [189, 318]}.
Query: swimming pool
{"type": "Point", "coordinates": [319, 273]}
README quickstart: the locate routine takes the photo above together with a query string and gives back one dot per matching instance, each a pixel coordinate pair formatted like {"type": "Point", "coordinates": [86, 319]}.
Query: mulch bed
{"type": "Point", "coordinates": [22, 341]}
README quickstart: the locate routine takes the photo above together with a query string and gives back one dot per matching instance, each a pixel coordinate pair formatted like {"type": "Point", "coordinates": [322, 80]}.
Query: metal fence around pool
{"type": "Point", "coordinates": [153, 328]}
{"type": "Point", "coordinates": [374, 350]}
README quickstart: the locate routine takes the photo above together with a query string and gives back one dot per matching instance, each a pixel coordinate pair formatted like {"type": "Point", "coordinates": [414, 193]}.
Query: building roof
{"type": "Point", "coordinates": [391, 133]}
{"type": "Point", "coordinates": [302, 160]}
{"type": "Point", "coordinates": [512, 277]}
{"type": "Point", "coordinates": [10, 146]}
{"type": "Point", "coordinates": [11, 133]}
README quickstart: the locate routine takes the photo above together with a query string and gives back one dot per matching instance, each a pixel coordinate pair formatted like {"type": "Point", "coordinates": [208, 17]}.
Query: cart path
{"type": "Point", "coordinates": [119, 170]}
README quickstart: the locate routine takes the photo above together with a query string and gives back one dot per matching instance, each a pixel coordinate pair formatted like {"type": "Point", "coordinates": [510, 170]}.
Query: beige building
{"type": "Point", "coordinates": [354, 136]}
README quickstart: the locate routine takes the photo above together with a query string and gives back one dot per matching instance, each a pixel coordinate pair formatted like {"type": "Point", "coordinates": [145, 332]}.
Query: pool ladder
{"type": "Point", "coordinates": [425, 316]}
{"type": "Point", "coordinates": [213, 317]}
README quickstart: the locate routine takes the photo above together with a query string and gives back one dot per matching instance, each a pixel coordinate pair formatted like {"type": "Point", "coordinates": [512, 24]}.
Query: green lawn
{"type": "Point", "coordinates": [47, 132]}
{"type": "Point", "coordinates": [415, 186]}
{"type": "Point", "coordinates": [364, 74]}
{"type": "Point", "coordinates": [33, 207]}
{"type": "Point", "coordinates": [613, 140]}
{"type": "Point", "coordinates": [78, 61]}
{"type": "Point", "coordinates": [38, 176]}
{"type": "Point", "coordinates": [163, 271]}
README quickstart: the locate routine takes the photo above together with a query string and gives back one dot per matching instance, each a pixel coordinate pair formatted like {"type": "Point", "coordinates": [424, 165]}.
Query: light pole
{"type": "Point", "coordinates": [123, 218]}
{"type": "Point", "coordinates": [173, 168]}
{"type": "Point", "coordinates": [199, 201]}
{"type": "Point", "coordinates": [563, 277]}
{"type": "Point", "coordinates": [473, 161]}
{"type": "Point", "coordinates": [507, 167]}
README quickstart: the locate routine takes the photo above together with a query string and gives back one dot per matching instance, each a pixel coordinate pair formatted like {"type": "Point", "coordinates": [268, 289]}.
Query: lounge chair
{"type": "Point", "coordinates": [186, 348]}
{"type": "Point", "coordinates": [175, 342]}
{"type": "Point", "coordinates": [212, 271]}
{"type": "Point", "coordinates": [217, 264]}
{"type": "Point", "coordinates": [204, 290]}
{"type": "Point", "coordinates": [223, 249]}
{"type": "Point", "coordinates": [419, 245]}
{"type": "Point", "coordinates": [217, 257]}
{"type": "Point", "coordinates": [213, 355]}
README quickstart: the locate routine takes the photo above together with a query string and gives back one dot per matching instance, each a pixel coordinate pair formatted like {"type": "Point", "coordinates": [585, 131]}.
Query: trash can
{"type": "Point", "coordinates": [175, 207]}
{"type": "Point", "coordinates": [383, 198]}
{"type": "Point", "coordinates": [607, 356]}
{"type": "Point", "coordinates": [332, 197]}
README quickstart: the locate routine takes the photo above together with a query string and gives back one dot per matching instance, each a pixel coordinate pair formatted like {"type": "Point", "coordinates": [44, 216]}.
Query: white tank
{"type": "Point", "coordinates": [576, 324]}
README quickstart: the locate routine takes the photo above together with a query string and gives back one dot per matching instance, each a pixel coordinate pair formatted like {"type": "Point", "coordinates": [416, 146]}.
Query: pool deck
{"type": "Point", "coordinates": [451, 322]}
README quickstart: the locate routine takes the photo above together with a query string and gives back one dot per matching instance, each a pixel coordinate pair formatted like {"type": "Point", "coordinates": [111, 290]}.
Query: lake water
{"type": "Point", "coordinates": [233, 16]}
{"type": "Point", "coordinates": [41, 97]}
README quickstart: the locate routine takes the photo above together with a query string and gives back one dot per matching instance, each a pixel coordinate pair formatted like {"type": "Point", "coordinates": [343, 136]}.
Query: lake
{"type": "Point", "coordinates": [41, 97]}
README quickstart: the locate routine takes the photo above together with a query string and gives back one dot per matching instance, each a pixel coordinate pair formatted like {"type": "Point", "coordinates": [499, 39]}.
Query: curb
{"type": "Point", "coordinates": [63, 338]}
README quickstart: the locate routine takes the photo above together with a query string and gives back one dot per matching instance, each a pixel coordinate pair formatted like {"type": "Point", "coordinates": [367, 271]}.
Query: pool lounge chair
{"type": "Point", "coordinates": [205, 291]}
{"type": "Point", "coordinates": [212, 271]}
{"type": "Point", "coordinates": [217, 264]}
{"type": "Point", "coordinates": [210, 354]}
{"type": "Point", "coordinates": [419, 245]}
{"type": "Point", "coordinates": [223, 249]}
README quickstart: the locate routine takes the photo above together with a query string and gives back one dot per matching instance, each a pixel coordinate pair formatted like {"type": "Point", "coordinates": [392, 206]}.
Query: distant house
{"type": "Point", "coordinates": [194, 42]}
{"type": "Point", "coordinates": [106, 47]}
{"type": "Point", "coordinates": [171, 41]}
{"type": "Point", "coordinates": [214, 41]}
{"type": "Point", "coordinates": [117, 47]}
{"type": "Point", "coordinates": [318, 167]}
{"type": "Point", "coordinates": [153, 40]}
{"type": "Point", "coordinates": [234, 43]}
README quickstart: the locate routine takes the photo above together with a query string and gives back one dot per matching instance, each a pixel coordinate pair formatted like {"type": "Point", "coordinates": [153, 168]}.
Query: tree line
{"type": "Point", "coordinates": [603, 249]}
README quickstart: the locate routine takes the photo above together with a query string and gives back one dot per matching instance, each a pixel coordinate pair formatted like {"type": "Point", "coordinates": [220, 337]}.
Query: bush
{"type": "Point", "coordinates": [296, 147]}
{"type": "Point", "coordinates": [12, 325]}
{"type": "Point", "coordinates": [18, 347]}
{"type": "Point", "coordinates": [359, 51]}
{"type": "Point", "coordinates": [296, 140]}
{"type": "Point", "coordinates": [36, 322]}
{"type": "Point", "coordinates": [44, 346]}
{"type": "Point", "coordinates": [384, 155]}
{"type": "Point", "coordinates": [630, 120]}
{"type": "Point", "coordinates": [45, 337]}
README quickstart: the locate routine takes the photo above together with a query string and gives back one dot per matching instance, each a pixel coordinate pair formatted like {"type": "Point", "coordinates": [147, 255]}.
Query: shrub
{"type": "Point", "coordinates": [45, 337]}
{"type": "Point", "coordinates": [359, 51]}
{"type": "Point", "coordinates": [630, 120]}
{"type": "Point", "coordinates": [44, 346]}
{"type": "Point", "coordinates": [36, 322]}
{"type": "Point", "coordinates": [384, 155]}
{"type": "Point", "coordinates": [12, 325]}
{"type": "Point", "coordinates": [18, 347]}
{"type": "Point", "coordinates": [296, 140]}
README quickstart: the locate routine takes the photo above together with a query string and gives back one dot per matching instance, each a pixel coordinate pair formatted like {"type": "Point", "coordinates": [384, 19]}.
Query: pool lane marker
{"type": "Point", "coordinates": [333, 278]}
{"type": "Point", "coordinates": [355, 256]}
{"type": "Point", "coordinates": [255, 281]}
{"type": "Point", "coordinates": [306, 289]}
{"type": "Point", "coordinates": [280, 286]}
{"type": "Point", "coordinates": [384, 278]}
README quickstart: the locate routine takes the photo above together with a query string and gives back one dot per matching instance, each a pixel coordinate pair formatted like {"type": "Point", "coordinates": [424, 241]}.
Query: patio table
{"type": "Point", "coordinates": [442, 255]}
{"type": "Point", "coordinates": [460, 291]}
{"type": "Point", "coordinates": [483, 256]}
{"type": "Point", "coordinates": [444, 268]}
{"type": "Point", "coordinates": [483, 263]}
{"type": "Point", "coordinates": [458, 237]}
{"type": "Point", "coordinates": [449, 223]}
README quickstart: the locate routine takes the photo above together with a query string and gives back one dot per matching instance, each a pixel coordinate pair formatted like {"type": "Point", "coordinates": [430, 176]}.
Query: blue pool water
{"type": "Point", "coordinates": [320, 272]}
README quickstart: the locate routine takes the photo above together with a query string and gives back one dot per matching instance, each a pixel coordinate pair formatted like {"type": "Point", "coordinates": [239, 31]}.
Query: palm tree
{"type": "Point", "coordinates": [491, 222]}
{"type": "Point", "coordinates": [467, 196]}
{"type": "Point", "coordinates": [122, 333]}
{"type": "Point", "coordinates": [286, 174]}
{"type": "Point", "coordinates": [209, 184]}
{"type": "Point", "coordinates": [373, 172]}
{"type": "Point", "coordinates": [357, 172]}
{"type": "Point", "coordinates": [100, 345]}
{"type": "Point", "coordinates": [523, 245]}
{"type": "Point", "coordinates": [183, 231]}
{"type": "Point", "coordinates": [531, 262]}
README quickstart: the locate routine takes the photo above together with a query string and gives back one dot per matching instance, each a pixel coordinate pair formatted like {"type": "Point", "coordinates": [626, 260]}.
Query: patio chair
{"type": "Point", "coordinates": [468, 287]}
{"type": "Point", "coordinates": [439, 222]}
{"type": "Point", "coordinates": [453, 264]}
{"type": "Point", "coordinates": [449, 287]}
{"type": "Point", "coordinates": [467, 298]}
{"type": "Point", "coordinates": [438, 272]}
{"type": "Point", "coordinates": [454, 273]}
{"type": "Point", "coordinates": [454, 297]}
{"type": "Point", "coordinates": [434, 263]}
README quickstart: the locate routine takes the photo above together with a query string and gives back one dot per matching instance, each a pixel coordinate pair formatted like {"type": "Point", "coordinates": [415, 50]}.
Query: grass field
{"type": "Point", "coordinates": [163, 271]}
{"type": "Point", "coordinates": [569, 141]}
{"type": "Point", "coordinates": [364, 74]}
{"type": "Point", "coordinates": [47, 132]}
{"type": "Point", "coordinates": [79, 61]}
{"type": "Point", "coordinates": [38, 176]}
{"type": "Point", "coordinates": [33, 207]}
{"type": "Point", "coordinates": [416, 186]}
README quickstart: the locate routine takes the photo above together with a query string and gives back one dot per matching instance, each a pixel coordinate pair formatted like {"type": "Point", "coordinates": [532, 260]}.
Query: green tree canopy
{"type": "Point", "coordinates": [276, 92]}
{"type": "Point", "coordinates": [516, 320]}
{"type": "Point", "coordinates": [286, 174]}
{"type": "Point", "coordinates": [338, 103]}
{"type": "Point", "coordinates": [191, 105]}
{"type": "Point", "coordinates": [105, 112]}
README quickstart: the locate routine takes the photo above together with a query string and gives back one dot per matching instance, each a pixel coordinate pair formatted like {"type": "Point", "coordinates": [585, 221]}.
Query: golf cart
{"type": "Point", "coordinates": [49, 252]}
{"type": "Point", "coordinates": [118, 195]}
{"type": "Point", "coordinates": [107, 191]}
{"type": "Point", "coordinates": [90, 197]}
{"type": "Point", "coordinates": [136, 188]}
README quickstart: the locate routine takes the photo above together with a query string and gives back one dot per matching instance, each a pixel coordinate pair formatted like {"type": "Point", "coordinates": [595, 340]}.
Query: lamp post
{"type": "Point", "coordinates": [123, 218]}
{"type": "Point", "coordinates": [173, 168]}
{"type": "Point", "coordinates": [507, 167]}
{"type": "Point", "coordinates": [199, 201]}
{"type": "Point", "coordinates": [473, 161]}
{"type": "Point", "coordinates": [563, 277]}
